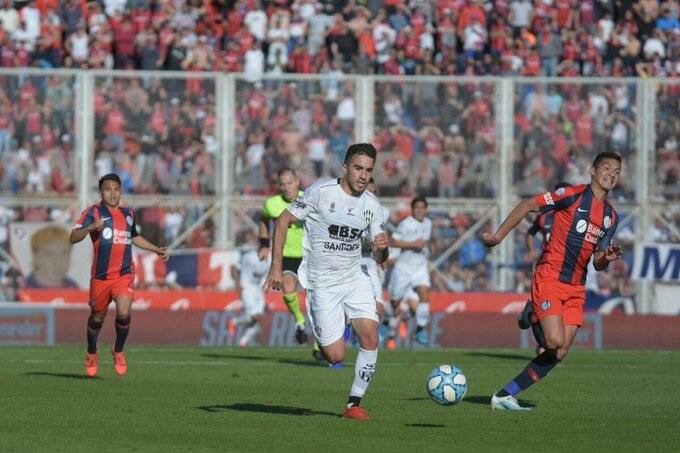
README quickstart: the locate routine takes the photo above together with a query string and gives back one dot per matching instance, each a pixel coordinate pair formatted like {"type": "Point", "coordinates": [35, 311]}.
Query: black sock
{"type": "Point", "coordinates": [93, 328]}
{"type": "Point", "coordinates": [353, 401]}
{"type": "Point", "coordinates": [122, 329]}
{"type": "Point", "coordinates": [537, 369]}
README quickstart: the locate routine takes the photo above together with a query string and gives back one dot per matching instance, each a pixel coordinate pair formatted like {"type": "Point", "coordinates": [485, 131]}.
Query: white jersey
{"type": "Point", "coordinates": [334, 224]}
{"type": "Point", "coordinates": [411, 230]}
{"type": "Point", "coordinates": [252, 270]}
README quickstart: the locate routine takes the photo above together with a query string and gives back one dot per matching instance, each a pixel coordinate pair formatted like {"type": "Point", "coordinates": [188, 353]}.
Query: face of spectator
{"type": "Point", "coordinates": [289, 186]}
{"type": "Point", "coordinates": [419, 211]}
{"type": "Point", "coordinates": [358, 172]}
{"type": "Point", "coordinates": [606, 174]}
{"type": "Point", "coordinates": [110, 193]}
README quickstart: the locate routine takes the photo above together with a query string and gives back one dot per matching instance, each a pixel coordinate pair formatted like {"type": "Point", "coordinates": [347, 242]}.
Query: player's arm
{"type": "Point", "coordinates": [236, 276]}
{"type": "Point", "coordinates": [522, 208]}
{"type": "Point", "coordinates": [408, 245]}
{"type": "Point", "coordinates": [142, 243]}
{"type": "Point", "coordinates": [602, 259]}
{"type": "Point", "coordinates": [78, 234]}
{"type": "Point", "coordinates": [275, 277]}
{"type": "Point", "coordinates": [263, 233]}
{"type": "Point", "coordinates": [381, 248]}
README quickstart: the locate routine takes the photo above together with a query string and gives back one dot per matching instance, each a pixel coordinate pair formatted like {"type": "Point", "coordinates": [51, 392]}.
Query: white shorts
{"type": "Point", "coordinates": [371, 268]}
{"type": "Point", "coordinates": [329, 308]}
{"type": "Point", "coordinates": [253, 300]}
{"type": "Point", "coordinates": [401, 281]}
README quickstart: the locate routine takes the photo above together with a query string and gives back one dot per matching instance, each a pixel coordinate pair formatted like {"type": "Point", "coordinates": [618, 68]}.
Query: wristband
{"type": "Point", "coordinates": [264, 243]}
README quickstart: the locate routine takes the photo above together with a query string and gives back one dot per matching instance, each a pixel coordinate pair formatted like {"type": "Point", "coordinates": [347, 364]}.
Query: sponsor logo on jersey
{"type": "Point", "coordinates": [593, 233]}
{"type": "Point", "coordinates": [548, 198]}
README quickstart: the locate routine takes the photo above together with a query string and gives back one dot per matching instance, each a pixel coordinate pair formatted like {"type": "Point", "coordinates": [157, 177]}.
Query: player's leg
{"type": "Point", "coordinates": [253, 302]}
{"type": "Point", "coordinates": [550, 317]}
{"type": "Point", "coordinates": [291, 298]}
{"type": "Point", "coordinates": [422, 312]}
{"type": "Point", "coordinates": [123, 294]}
{"type": "Point", "coordinates": [327, 319]}
{"type": "Point", "coordinates": [100, 297]}
{"type": "Point", "coordinates": [398, 288]}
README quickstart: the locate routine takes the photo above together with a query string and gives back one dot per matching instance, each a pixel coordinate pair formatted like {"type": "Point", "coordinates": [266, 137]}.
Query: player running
{"type": "Point", "coordinates": [542, 224]}
{"type": "Point", "coordinates": [250, 276]}
{"type": "Point", "coordinates": [583, 227]}
{"type": "Point", "coordinates": [336, 214]}
{"type": "Point", "coordinates": [113, 230]}
{"type": "Point", "coordinates": [289, 190]}
{"type": "Point", "coordinates": [411, 268]}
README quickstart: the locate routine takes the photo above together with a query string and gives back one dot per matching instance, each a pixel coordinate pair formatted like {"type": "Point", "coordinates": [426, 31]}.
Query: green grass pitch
{"type": "Point", "coordinates": [201, 399]}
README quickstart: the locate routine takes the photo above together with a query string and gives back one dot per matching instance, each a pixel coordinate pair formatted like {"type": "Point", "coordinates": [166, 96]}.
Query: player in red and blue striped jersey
{"type": "Point", "coordinates": [583, 227]}
{"type": "Point", "coordinates": [113, 230]}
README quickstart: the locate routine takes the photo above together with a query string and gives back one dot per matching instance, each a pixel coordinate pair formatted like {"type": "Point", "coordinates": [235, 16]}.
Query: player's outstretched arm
{"type": "Point", "coordinates": [522, 208]}
{"type": "Point", "coordinates": [79, 234]}
{"type": "Point", "coordinates": [602, 259]}
{"type": "Point", "coordinates": [274, 279]}
{"type": "Point", "coordinates": [142, 243]}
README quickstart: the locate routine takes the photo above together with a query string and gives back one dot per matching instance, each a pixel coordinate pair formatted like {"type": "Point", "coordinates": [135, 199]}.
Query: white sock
{"type": "Point", "coordinates": [422, 314]}
{"type": "Point", "coordinates": [249, 335]}
{"type": "Point", "coordinates": [363, 371]}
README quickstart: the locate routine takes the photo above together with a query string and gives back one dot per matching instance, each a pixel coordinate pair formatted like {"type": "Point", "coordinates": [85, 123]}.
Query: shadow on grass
{"type": "Point", "coordinates": [266, 409]}
{"type": "Point", "coordinates": [60, 375]}
{"type": "Point", "coordinates": [424, 425]}
{"type": "Point", "coordinates": [493, 355]}
{"type": "Point", "coordinates": [287, 361]}
{"type": "Point", "coordinates": [486, 401]}
{"type": "Point", "coordinates": [419, 398]}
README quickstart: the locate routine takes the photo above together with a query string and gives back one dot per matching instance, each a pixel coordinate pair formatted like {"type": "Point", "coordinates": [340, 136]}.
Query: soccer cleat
{"type": "Point", "coordinates": [421, 338]}
{"type": "Point", "coordinates": [91, 364]}
{"type": "Point", "coordinates": [317, 352]}
{"type": "Point", "coordinates": [300, 334]}
{"type": "Point", "coordinates": [524, 318]}
{"type": "Point", "coordinates": [508, 403]}
{"type": "Point", "coordinates": [355, 413]}
{"type": "Point", "coordinates": [119, 362]}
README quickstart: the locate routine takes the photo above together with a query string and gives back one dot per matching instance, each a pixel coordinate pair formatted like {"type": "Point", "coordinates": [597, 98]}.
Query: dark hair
{"type": "Point", "coordinates": [417, 200]}
{"type": "Point", "coordinates": [358, 149]}
{"type": "Point", "coordinates": [605, 155]}
{"type": "Point", "coordinates": [285, 170]}
{"type": "Point", "coordinates": [109, 177]}
{"type": "Point", "coordinates": [561, 185]}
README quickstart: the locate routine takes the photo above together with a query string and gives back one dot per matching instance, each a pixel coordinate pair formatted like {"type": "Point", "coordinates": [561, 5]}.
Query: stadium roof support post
{"type": "Point", "coordinates": [84, 134]}
{"type": "Point", "coordinates": [505, 139]}
{"type": "Point", "coordinates": [645, 105]}
{"type": "Point", "coordinates": [226, 100]}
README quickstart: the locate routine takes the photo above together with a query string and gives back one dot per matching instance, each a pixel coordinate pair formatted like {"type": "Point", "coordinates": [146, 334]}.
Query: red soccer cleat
{"type": "Point", "coordinates": [119, 362]}
{"type": "Point", "coordinates": [355, 413]}
{"type": "Point", "coordinates": [91, 365]}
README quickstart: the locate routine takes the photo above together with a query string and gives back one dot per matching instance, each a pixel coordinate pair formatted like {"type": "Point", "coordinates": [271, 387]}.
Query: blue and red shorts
{"type": "Point", "coordinates": [551, 297]}
{"type": "Point", "coordinates": [103, 292]}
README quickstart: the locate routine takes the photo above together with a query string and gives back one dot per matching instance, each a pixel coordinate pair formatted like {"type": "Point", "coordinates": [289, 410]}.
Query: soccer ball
{"type": "Point", "coordinates": [446, 384]}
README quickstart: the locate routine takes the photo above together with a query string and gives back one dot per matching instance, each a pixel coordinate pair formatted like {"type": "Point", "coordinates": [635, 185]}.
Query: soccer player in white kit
{"type": "Point", "coordinates": [368, 263]}
{"type": "Point", "coordinates": [337, 213]}
{"type": "Point", "coordinates": [411, 269]}
{"type": "Point", "coordinates": [251, 275]}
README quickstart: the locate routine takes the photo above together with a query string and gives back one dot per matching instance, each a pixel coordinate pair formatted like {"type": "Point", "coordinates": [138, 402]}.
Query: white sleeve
{"type": "Point", "coordinates": [428, 235]}
{"type": "Point", "coordinates": [378, 223]}
{"type": "Point", "coordinates": [305, 204]}
{"type": "Point", "coordinates": [399, 232]}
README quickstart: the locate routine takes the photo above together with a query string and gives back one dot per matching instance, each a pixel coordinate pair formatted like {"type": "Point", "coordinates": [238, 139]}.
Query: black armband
{"type": "Point", "coordinates": [264, 243]}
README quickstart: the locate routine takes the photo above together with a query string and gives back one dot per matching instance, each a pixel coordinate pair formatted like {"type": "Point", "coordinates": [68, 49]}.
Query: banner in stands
{"type": "Point", "coordinates": [190, 299]}
{"type": "Point", "coordinates": [31, 324]}
{"type": "Point", "coordinates": [657, 262]}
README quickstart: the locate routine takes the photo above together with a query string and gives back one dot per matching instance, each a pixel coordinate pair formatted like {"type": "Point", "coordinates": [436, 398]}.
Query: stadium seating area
{"type": "Point", "coordinates": [436, 139]}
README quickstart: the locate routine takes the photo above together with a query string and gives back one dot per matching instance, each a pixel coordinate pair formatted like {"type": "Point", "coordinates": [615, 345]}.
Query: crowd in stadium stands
{"type": "Point", "coordinates": [437, 139]}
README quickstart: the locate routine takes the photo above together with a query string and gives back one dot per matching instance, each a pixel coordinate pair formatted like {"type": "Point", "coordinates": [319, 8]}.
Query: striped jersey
{"type": "Point", "coordinates": [113, 243]}
{"type": "Point", "coordinates": [542, 224]}
{"type": "Point", "coordinates": [581, 225]}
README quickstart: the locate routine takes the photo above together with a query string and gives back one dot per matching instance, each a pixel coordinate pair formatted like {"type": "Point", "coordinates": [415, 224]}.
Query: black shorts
{"type": "Point", "coordinates": [291, 264]}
